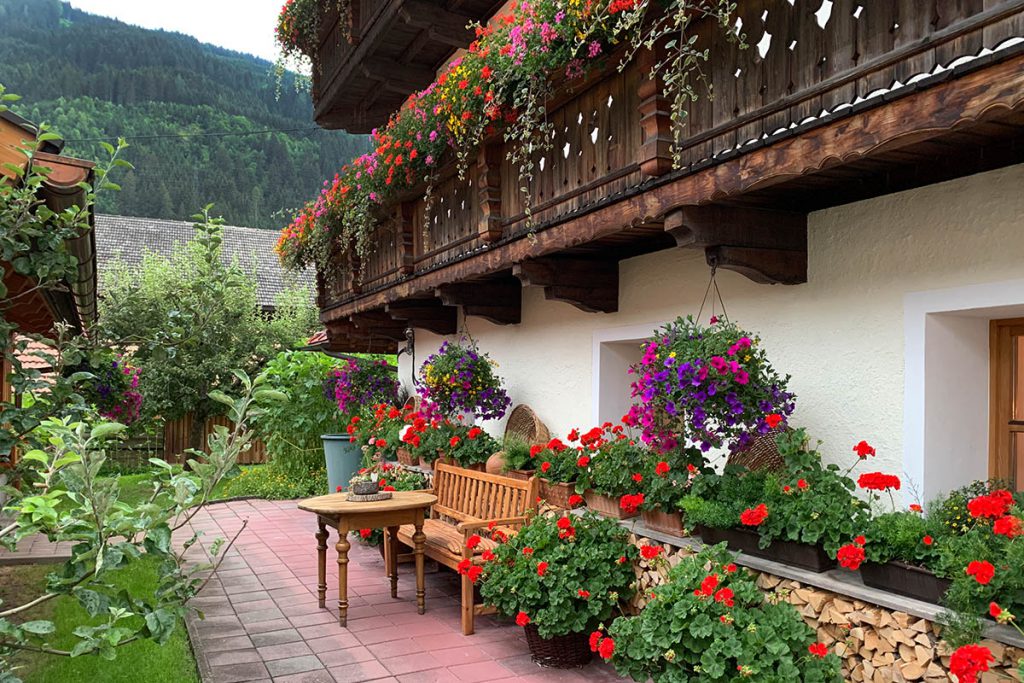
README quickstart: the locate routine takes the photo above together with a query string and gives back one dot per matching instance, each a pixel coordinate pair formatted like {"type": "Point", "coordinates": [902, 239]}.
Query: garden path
{"type": "Point", "coordinates": [262, 622]}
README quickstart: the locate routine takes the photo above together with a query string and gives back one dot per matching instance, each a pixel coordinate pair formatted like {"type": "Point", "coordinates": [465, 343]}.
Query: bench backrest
{"type": "Point", "coordinates": [467, 495]}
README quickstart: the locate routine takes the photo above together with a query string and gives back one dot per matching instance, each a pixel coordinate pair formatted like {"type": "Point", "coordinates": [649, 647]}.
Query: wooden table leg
{"type": "Point", "coordinates": [391, 551]}
{"type": "Point", "coordinates": [342, 548]}
{"type": "Point", "coordinates": [321, 562]}
{"type": "Point", "coordinates": [417, 539]}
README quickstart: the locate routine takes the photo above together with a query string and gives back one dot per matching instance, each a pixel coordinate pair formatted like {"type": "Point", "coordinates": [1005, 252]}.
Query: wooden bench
{"type": "Point", "coordinates": [470, 502]}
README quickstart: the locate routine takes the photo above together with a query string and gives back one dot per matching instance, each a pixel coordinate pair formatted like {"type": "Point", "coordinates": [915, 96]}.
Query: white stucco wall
{"type": "Point", "coordinates": [841, 336]}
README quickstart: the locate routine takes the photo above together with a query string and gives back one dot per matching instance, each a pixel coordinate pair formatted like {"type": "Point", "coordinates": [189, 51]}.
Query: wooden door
{"type": "Point", "coordinates": [1006, 434]}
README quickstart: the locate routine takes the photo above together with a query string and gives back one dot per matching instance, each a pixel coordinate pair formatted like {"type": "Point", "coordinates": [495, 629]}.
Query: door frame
{"type": "Point", "coordinates": [1001, 464]}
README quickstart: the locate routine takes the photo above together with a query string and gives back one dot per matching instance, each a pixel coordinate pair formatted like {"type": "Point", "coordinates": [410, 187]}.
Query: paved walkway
{"type": "Point", "coordinates": [36, 549]}
{"type": "Point", "coordinates": [262, 621]}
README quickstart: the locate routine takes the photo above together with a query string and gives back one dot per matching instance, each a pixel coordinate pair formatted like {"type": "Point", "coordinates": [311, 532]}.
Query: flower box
{"type": "Point", "coordinates": [407, 458]}
{"type": "Point", "coordinates": [606, 506]}
{"type": "Point", "coordinates": [905, 579]}
{"type": "Point", "coordinates": [557, 494]}
{"type": "Point", "coordinates": [803, 555]}
{"type": "Point", "coordinates": [570, 651]}
{"type": "Point", "coordinates": [520, 474]}
{"type": "Point", "coordinates": [666, 522]}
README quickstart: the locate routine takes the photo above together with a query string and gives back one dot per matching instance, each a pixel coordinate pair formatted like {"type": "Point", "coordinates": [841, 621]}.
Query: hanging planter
{"type": "Point", "coordinates": [461, 381]}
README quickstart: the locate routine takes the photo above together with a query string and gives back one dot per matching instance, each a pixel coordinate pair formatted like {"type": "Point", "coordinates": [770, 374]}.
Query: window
{"type": "Point", "coordinates": [615, 350]}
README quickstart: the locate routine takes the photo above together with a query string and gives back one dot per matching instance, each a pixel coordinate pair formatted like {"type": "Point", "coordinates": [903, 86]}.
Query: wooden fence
{"type": "Point", "coordinates": [171, 443]}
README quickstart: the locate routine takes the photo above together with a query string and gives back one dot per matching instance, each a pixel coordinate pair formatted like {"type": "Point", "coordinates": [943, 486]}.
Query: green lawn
{"type": "Point", "coordinates": [172, 662]}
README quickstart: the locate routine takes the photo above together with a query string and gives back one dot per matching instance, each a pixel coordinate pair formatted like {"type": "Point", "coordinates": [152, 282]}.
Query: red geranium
{"type": "Point", "coordinates": [631, 502]}
{"type": "Point", "coordinates": [662, 469]}
{"type": "Point", "coordinates": [981, 570]}
{"type": "Point", "coordinates": [583, 461]}
{"type": "Point", "coordinates": [1008, 526]}
{"type": "Point", "coordinates": [772, 420]}
{"type": "Point", "coordinates": [522, 619]}
{"type": "Point", "coordinates": [754, 516]}
{"type": "Point", "coordinates": [473, 541]}
{"type": "Point", "coordinates": [708, 585]}
{"type": "Point", "coordinates": [583, 594]}
{"type": "Point", "coordinates": [649, 552]}
{"type": "Point", "coordinates": [606, 648]}
{"type": "Point", "coordinates": [850, 556]}
{"type": "Point", "coordinates": [541, 568]}
{"type": "Point", "coordinates": [637, 477]}
{"type": "Point", "coordinates": [995, 504]}
{"type": "Point", "coordinates": [454, 441]}
{"type": "Point", "coordinates": [818, 649]}
{"type": "Point", "coordinates": [968, 661]}
{"type": "Point", "coordinates": [365, 533]}
{"type": "Point", "coordinates": [725, 596]}
{"type": "Point", "coordinates": [863, 449]}
{"type": "Point", "coordinates": [575, 499]}
{"type": "Point", "coordinates": [878, 481]}
{"type": "Point", "coordinates": [994, 610]}
{"type": "Point", "coordinates": [474, 432]}
{"type": "Point", "coordinates": [545, 466]}
{"type": "Point", "coordinates": [928, 540]}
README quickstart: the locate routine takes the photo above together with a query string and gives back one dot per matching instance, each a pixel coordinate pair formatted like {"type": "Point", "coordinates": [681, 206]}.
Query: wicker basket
{"type": "Point", "coordinates": [762, 454]}
{"type": "Point", "coordinates": [570, 651]}
{"type": "Point", "coordinates": [524, 423]}
{"type": "Point", "coordinates": [557, 494]}
{"type": "Point", "coordinates": [606, 506]}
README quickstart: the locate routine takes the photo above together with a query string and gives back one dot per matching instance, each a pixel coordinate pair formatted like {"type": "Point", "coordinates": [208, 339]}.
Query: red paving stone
{"type": "Point", "coordinates": [263, 622]}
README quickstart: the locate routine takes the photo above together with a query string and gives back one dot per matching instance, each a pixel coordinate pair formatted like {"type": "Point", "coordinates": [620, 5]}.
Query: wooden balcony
{"type": "Point", "coordinates": [822, 109]}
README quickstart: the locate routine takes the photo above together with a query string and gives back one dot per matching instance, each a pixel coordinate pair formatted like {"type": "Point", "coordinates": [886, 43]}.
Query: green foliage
{"type": "Point", "coordinates": [587, 559]}
{"type": "Point", "coordinates": [517, 452]}
{"type": "Point", "coordinates": [950, 514]}
{"type": "Point", "coordinates": [120, 80]}
{"type": "Point", "coordinates": [900, 536]}
{"type": "Point", "coordinates": [291, 430]}
{"type": "Point", "coordinates": [612, 464]}
{"type": "Point", "coordinates": [199, 318]}
{"type": "Point", "coordinates": [717, 501]}
{"type": "Point", "coordinates": [683, 636]}
{"type": "Point", "coordinates": [667, 477]}
{"type": "Point", "coordinates": [472, 447]}
{"type": "Point", "coordinates": [275, 481]}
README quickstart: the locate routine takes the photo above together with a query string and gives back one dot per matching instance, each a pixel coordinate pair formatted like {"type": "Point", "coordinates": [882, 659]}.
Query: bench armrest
{"type": "Point", "coordinates": [483, 524]}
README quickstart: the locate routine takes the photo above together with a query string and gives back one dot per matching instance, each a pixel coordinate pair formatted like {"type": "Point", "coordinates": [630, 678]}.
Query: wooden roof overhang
{"type": "Point", "coordinates": [396, 48]}
{"type": "Point", "coordinates": [34, 309]}
{"type": "Point", "coordinates": [745, 205]}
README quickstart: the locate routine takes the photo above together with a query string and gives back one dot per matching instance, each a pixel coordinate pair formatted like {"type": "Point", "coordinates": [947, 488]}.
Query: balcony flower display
{"type": "Point", "coordinates": [459, 380]}
{"type": "Point", "coordinates": [709, 386]}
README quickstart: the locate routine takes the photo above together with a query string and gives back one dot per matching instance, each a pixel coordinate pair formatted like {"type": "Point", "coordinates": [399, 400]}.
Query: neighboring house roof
{"type": "Point", "coordinates": [127, 238]}
{"type": "Point", "coordinates": [35, 354]}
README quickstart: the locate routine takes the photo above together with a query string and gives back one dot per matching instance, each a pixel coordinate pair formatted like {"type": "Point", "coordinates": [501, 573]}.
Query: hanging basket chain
{"type": "Point", "coordinates": [715, 296]}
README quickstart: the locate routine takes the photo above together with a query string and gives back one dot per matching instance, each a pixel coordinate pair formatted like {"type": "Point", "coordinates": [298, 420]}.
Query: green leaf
{"type": "Point", "coordinates": [93, 602]}
{"type": "Point", "coordinates": [39, 627]}
{"type": "Point", "coordinates": [104, 431]}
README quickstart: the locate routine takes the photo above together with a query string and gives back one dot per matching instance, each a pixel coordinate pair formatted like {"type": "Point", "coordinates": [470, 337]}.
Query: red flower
{"type": "Point", "coordinates": [877, 481]}
{"type": "Point", "coordinates": [575, 499]}
{"type": "Point", "coordinates": [473, 541]}
{"type": "Point", "coordinates": [982, 571]}
{"type": "Point", "coordinates": [863, 449]}
{"type": "Point", "coordinates": [535, 450]}
{"type": "Point", "coordinates": [485, 72]}
{"type": "Point", "coordinates": [637, 477]}
{"type": "Point", "coordinates": [617, 6]}
{"type": "Point", "coordinates": [463, 567]}
{"type": "Point", "coordinates": [583, 594]}
{"type": "Point", "coordinates": [338, 489]}
{"type": "Point", "coordinates": [817, 649]}
{"type": "Point", "coordinates": [454, 441]}
{"type": "Point", "coordinates": [631, 502]}
{"type": "Point", "coordinates": [860, 540]}
{"type": "Point", "coordinates": [801, 483]}
{"type": "Point", "coordinates": [850, 556]}
{"type": "Point", "coordinates": [662, 468]}
{"type": "Point", "coordinates": [527, 550]}
{"type": "Point", "coordinates": [914, 507]}
{"type": "Point", "coordinates": [649, 552]}
{"type": "Point", "coordinates": [725, 596]}
{"type": "Point", "coordinates": [583, 461]}
{"type": "Point", "coordinates": [708, 585]}
{"type": "Point", "coordinates": [994, 610]}
{"type": "Point", "coordinates": [1008, 526]}
{"type": "Point", "coordinates": [556, 445]}
{"type": "Point", "coordinates": [487, 555]}
{"type": "Point", "coordinates": [927, 540]}
{"type": "Point", "coordinates": [541, 568]}
{"type": "Point", "coordinates": [595, 638]}
{"type": "Point", "coordinates": [545, 466]}
{"type": "Point", "coordinates": [564, 523]}
{"type": "Point", "coordinates": [607, 646]}
{"type": "Point", "coordinates": [474, 432]}
{"type": "Point", "coordinates": [968, 661]}
{"type": "Point", "coordinates": [522, 619]}
{"type": "Point", "coordinates": [772, 420]}
{"type": "Point", "coordinates": [753, 517]}
{"type": "Point", "coordinates": [380, 443]}
{"type": "Point", "coordinates": [995, 504]}
{"type": "Point", "coordinates": [574, 435]}
{"type": "Point", "coordinates": [365, 533]}
{"type": "Point", "coordinates": [730, 568]}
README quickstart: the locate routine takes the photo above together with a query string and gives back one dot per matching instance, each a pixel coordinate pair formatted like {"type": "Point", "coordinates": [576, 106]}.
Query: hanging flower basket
{"type": "Point", "coordinates": [460, 380]}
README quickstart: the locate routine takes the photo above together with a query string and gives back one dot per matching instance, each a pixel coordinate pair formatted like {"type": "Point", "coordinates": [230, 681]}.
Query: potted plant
{"type": "Point", "coordinates": [901, 550]}
{"type": "Point", "coordinates": [358, 383]}
{"type": "Point", "coordinates": [557, 467]}
{"type": "Point", "coordinates": [560, 577]}
{"type": "Point", "coordinates": [461, 382]}
{"type": "Point", "coordinates": [665, 479]}
{"type": "Point", "coordinates": [517, 457]}
{"type": "Point", "coordinates": [710, 622]}
{"type": "Point", "coordinates": [364, 483]}
{"type": "Point", "coordinates": [469, 446]}
{"type": "Point", "coordinates": [512, 448]}
{"type": "Point", "coordinates": [608, 461]}
{"type": "Point", "coordinates": [710, 386]}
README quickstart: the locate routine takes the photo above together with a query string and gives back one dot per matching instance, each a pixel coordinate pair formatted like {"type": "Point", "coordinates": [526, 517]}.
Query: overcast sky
{"type": "Point", "coordinates": [242, 25]}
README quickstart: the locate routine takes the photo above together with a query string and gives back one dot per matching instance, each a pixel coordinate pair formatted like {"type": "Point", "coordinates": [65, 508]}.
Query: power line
{"type": "Point", "coordinates": [114, 138]}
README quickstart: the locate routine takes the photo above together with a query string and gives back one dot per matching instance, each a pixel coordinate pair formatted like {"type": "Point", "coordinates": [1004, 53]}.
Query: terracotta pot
{"type": "Point", "coordinates": [905, 579]}
{"type": "Point", "coordinates": [495, 463]}
{"type": "Point", "coordinates": [666, 522]}
{"type": "Point", "coordinates": [557, 494]}
{"type": "Point", "coordinates": [606, 506]}
{"type": "Point", "coordinates": [810, 557]}
{"type": "Point", "coordinates": [520, 474]}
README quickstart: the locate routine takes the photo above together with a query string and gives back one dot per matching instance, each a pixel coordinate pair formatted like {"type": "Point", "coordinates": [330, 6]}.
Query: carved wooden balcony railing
{"type": "Point", "coordinates": [804, 66]}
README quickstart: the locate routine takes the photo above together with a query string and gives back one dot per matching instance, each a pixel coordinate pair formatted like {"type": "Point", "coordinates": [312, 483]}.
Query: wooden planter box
{"type": "Point", "coordinates": [803, 555]}
{"type": "Point", "coordinates": [520, 474]}
{"type": "Point", "coordinates": [905, 579]}
{"type": "Point", "coordinates": [606, 506]}
{"type": "Point", "coordinates": [557, 494]}
{"type": "Point", "coordinates": [406, 458]}
{"type": "Point", "coordinates": [666, 522]}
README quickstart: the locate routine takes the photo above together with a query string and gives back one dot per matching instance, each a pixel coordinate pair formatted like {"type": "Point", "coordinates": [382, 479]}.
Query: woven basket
{"type": "Point", "coordinates": [557, 494]}
{"type": "Point", "coordinates": [606, 506]}
{"type": "Point", "coordinates": [570, 651]}
{"type": "Point", "coordinates": [524, 423]}
{"type": "Point", "coordinates": [761, 455]}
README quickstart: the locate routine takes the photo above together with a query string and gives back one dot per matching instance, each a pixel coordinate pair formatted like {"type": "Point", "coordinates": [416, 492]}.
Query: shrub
{"type": "Point", "coordinates": [711, 622]}
{"type": "Point", "coordinates": [716, 501]}
{"type": "Point", "coordinates": [566, 574]}
{"type": "Point", "coordinates": [666, 477]}
{"type": "Point", "coordinates": [951, 514]}
{"type": "Point", "coordinates": [275, 482]}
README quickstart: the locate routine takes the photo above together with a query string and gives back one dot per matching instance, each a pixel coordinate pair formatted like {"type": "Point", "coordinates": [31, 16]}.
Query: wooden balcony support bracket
{"type": "Point", "coordinates": [444, 26]}
{"type": "Point", "coordinates": [589, 285]}
{"type": "Point", "coordinates": [655, 152]}
{"type": "Point", "coordinates": [489, 184]}
{"type": "Point", "coordinates": [498, 301]}
{"type": "Point", "coordinates": [406, 238]}
{"type": "Point", "coordinates": [424, 314]}
{"type": "Point", "coordinates": [342, 336]}
{"type": "Point", "coordinates": [767, 246]}
{"type": "Point", "coordinates": [376, 325]}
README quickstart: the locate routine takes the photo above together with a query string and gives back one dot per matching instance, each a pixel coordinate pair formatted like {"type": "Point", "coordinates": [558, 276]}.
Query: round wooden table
{"type": "Point", "coordinates": [404, 507]}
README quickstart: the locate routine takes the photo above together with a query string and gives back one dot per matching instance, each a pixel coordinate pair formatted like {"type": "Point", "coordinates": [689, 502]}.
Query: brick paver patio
{"type": "Point", "coordinates": [262, 621]}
